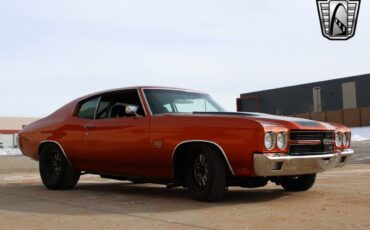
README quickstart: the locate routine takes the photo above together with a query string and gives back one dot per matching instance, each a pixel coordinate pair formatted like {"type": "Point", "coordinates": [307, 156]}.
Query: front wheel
{"type": "Point", "coordinates": [298, 183]}
{"type": "Point", "coordinates": [206, 174]}
{"type": "Point", "coordinates": [55, 170]}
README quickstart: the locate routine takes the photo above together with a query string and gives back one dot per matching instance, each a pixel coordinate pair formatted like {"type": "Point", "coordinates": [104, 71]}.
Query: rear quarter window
{"type": "Point", "coordinates": [87, 109]}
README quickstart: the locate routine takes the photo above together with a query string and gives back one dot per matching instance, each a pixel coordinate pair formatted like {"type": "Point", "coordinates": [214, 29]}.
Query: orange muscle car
{"type": "Point", "coordinates": [180, 137]}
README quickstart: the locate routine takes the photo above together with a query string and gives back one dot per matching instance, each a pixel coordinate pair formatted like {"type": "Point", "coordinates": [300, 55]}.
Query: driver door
{"type": "Point", "coordinates": [114, 142]}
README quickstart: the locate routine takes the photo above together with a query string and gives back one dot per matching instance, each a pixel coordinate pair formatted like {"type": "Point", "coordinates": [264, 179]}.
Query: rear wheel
{"type": "Point", "coordinates": [55, 170]}
{"type": "Point", "coordinates": [298, 183]}
{"type": "Point", "coordinates": [205, 174]}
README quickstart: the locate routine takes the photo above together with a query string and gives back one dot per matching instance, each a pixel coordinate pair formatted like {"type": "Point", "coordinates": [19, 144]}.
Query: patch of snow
{"type": "Point", "coordinates": [10, 152]}
{"type": "Point", "coordinates": [356, 137]}
{"type": "Point", "coordinates": [360, 133]}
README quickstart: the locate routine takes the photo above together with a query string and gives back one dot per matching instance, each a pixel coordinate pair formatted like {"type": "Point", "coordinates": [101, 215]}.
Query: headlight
{"type": "Point", "coordinates": [281, 140]}
{"type": "Point", "coordinates": [269, 140]}
{"type": "Point", "coordinates": [346, 139]}
{"type": "Point", "coordinates": [338, 139]}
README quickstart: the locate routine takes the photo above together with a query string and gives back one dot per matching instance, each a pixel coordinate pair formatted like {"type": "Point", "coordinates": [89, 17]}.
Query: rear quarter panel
{"type": "Point", "coordinates": [59, 126]}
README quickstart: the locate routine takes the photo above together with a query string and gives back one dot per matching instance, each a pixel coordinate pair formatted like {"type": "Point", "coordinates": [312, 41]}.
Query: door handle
{"type": "Point", "coordinates": [90, 126]}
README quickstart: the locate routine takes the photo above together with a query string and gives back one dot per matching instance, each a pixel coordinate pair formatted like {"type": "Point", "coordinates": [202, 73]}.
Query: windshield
{"type": "Point", "coordinates": [176, 101]}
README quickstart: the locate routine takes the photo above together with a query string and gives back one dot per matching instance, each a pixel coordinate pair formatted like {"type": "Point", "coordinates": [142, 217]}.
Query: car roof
{"type": "Point", "coordinates": [138, 88]}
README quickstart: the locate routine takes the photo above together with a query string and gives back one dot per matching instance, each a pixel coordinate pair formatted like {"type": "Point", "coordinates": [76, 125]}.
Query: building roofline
{"type": "Point", "coordinates": [305, 84]}
{"type": "Point", "coordinates": [9, 131]}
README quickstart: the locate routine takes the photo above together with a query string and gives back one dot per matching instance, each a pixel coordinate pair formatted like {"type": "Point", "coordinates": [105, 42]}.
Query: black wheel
{"type": "Point", "coordinates": [298, 183]}
{"type": "Point", "coordinates": [206, 175]}
{"type": "Point", "coordinates": [55, 170]}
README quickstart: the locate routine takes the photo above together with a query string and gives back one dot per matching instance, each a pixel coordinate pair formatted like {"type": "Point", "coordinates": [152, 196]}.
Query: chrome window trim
{"type": "Point", "coordinates": [146, 101]}
{"type": "Point", "coordinates": [141, 101]}
{"type": "Point", "coordinates": [59, 145]}
{"type": "Point", "coordinates": [175, 89]}
{"type": "Point", "coordinates": [100, 94]}
{"type": "Point", "coordinates": [138, 88]}
{"type": "Point", "coordinates": [202, 141]}
{"type": "Point", "coordinates": [97, 106]}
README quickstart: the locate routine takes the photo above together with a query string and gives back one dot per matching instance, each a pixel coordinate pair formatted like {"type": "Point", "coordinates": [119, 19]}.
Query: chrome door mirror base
{"type": "Point", "coordinates": [131, 110]}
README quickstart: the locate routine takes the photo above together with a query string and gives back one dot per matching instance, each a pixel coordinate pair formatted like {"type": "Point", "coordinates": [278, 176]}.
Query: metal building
{"type": "Point", "coordinates": [345, 100]}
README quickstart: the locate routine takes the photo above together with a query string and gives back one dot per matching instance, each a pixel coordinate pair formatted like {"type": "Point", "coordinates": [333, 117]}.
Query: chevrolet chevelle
{"type": "Point", "coordinates": [183, 138]}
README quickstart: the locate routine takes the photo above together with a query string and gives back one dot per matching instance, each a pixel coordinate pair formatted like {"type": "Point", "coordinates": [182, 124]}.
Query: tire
{"type": "Point", "coordinates": [55, 170]}
{"type": "Point", "coordinates": [298, 183]}
{"type": "Point", "coordinates": [206, 174]}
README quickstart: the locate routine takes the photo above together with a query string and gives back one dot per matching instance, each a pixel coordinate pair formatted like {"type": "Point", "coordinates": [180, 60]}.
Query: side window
{"type": "Point", "coordinates": [88, 108]}
{"type": "Point", "coordinates": [113, 105]}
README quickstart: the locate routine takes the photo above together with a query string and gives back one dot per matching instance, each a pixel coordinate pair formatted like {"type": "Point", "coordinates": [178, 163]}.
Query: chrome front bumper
{"type": "Point", "coordinates": [267, 164]}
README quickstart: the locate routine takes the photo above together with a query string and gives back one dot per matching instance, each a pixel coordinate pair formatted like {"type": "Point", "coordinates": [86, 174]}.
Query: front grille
{"type": "Point", "coordinates": [311, 142]}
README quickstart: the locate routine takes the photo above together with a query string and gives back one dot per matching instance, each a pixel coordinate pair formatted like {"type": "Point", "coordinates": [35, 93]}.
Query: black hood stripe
{"type": "Point", "coordinates": [300, 121]}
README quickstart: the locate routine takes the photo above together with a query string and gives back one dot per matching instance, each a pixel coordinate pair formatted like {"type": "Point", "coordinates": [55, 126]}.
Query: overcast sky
{"type": "Point", "coordinates": [54, 51]}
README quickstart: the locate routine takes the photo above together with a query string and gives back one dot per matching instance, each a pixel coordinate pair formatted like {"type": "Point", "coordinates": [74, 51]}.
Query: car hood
{"type": "Point", "coordinates": [268, 119]}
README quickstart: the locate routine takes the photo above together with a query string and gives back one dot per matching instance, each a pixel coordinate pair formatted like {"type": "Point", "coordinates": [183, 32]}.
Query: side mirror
{"type": "Point", "coordinates": [131, 110]}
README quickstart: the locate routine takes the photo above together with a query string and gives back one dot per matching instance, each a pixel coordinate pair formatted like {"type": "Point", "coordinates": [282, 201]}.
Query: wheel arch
{"type": "Point", "coordinates": [55, 143]}
{"type": "Point", "coordinates": [179, 154]}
